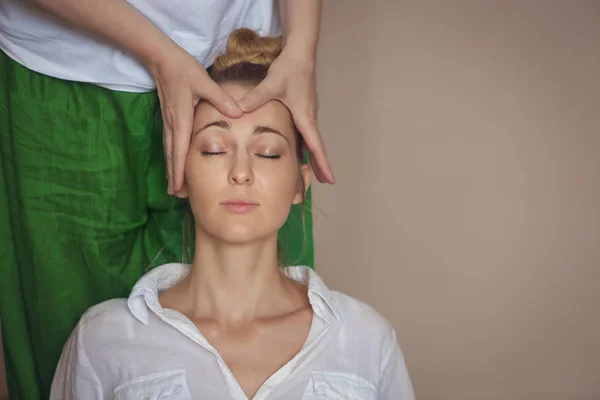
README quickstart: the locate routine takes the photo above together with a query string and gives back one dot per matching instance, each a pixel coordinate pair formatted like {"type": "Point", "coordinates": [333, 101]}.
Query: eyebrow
{"type": "Point", "coordinates": [258, 129]}
{"type": "Point", "coordinates": [219, 124]}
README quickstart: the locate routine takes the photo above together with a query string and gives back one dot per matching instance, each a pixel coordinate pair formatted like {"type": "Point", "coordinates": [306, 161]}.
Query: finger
{"type": "Point", "coordinates": [318, 155]}
{"type": "Point", "coordinates": [167, 137]}
{"type": "Point", "coordinates": [183, 113]}
{"type": "Point", "coordinates": [168, 149]}
{"type": "Point", "coordinates": [220, 99]}
{"type": "Point", "coordinates": [313, 162]}
{"type": "Point", "coordinates": [256, 98]}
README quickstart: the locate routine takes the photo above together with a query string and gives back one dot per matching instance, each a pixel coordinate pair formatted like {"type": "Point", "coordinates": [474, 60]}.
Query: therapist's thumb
{"type": "Point", "coordinates": [221, 100]}
{"type": "Point", "coordinates": [256, 98]}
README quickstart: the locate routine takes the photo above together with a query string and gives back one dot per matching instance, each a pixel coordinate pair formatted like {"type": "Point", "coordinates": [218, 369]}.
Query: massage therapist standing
{"type": "Point", "coordinates": [84, 207]}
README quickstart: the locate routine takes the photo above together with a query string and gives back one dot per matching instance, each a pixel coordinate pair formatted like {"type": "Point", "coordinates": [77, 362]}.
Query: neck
{"type": "Point", "coordinates": [234, 283]}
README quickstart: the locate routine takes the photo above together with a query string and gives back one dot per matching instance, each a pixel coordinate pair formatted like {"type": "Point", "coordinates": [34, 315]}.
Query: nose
{"type": "Point", "coordinates": [241, 169]}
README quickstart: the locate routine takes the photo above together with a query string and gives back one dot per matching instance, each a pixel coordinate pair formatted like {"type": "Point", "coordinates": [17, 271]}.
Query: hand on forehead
{"type": "Point", "coordinates": [274, 115]}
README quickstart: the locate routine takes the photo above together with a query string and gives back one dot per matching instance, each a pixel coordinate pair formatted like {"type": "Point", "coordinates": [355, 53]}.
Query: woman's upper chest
{"type": "Point", "coordinates": [255, 352]}
{"type": "Point", "coordinates": [185, 369]}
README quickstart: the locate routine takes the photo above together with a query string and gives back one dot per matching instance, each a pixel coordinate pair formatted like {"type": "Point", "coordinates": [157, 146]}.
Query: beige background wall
{"type": "Point", "coordinates": [466, 140]}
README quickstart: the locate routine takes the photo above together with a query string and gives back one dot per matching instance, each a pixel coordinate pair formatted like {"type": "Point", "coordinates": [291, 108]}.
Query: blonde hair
{"type": "Point", "coordinates": [246, 46]}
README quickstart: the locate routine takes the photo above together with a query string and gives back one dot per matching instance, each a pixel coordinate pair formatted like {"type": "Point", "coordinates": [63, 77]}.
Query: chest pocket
{"type": "Point", "coordinates": [169, 385]}
{"type": "Point", "coordinates": [339, 386]}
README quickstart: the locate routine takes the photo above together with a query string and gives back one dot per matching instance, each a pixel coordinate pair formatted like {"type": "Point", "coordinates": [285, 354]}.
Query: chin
{"type": "Point", "coordinates": [241, 234]}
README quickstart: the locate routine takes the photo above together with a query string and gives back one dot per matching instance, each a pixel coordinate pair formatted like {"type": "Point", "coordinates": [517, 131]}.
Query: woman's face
{"type": "Point", "coordinates": [242, 174]}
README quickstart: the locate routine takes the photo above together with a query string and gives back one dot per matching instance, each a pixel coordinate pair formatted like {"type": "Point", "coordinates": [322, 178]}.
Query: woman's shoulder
{"type": "Point", "coordinates": [366, 340]}
{"type": "Point", "coordinates": [354, 315]}
{"type": "Point", "coordinates": [106, 312]}
{"type": "Point", "coordinates": [363, 318]}
{"type": "Point", "coordinates": [103, 321]}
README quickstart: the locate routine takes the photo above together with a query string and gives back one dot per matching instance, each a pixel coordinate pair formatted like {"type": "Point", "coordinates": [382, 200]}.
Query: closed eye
{"type": "Point", "coordinates": [212, 153]}
{"type": "Point", "coordinates": [272, 157]}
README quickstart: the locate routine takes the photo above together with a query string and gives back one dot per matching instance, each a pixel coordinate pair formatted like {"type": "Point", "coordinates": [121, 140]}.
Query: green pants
{"type": "Point", "coordinates": [83, 212]}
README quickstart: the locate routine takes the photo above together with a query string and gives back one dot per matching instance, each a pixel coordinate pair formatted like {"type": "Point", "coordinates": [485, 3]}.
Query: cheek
{"type": "Point", "coordinates": [282, 182]}
{"type": "Point", "coordinates": [201, 177]}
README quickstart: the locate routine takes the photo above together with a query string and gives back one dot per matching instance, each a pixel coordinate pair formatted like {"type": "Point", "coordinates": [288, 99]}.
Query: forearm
{"type": "Point", "coordinates": [116, 22]}
{"type": "Point", "coordinates": [301, 20]}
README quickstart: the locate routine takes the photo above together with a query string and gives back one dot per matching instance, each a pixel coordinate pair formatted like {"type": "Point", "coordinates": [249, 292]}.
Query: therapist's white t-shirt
{"type": "Point", "coordinates": [202, 27]}
{"type": "Point", "coordinates": [135, 349]}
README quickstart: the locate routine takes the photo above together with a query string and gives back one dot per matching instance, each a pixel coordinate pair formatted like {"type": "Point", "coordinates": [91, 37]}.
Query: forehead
{"type": "Point", "coordinates": [273, 114]}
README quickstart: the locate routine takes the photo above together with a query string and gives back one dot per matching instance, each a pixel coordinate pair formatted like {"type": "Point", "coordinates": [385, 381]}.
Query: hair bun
{"type": "Point", "coordinates": [245, 45]}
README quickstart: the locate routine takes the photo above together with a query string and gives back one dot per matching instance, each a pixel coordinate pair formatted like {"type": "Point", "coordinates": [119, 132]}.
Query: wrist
{"type": "Point", "coordinates": [155, 56]}
{"type": "Point", "coordinates": [301, 21]}
{"type": "Point", "coordinates": [302, 53]}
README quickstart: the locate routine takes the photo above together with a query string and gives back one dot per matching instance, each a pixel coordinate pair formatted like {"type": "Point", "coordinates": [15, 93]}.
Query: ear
{"type": "Point", "coordinates": [305, 176]}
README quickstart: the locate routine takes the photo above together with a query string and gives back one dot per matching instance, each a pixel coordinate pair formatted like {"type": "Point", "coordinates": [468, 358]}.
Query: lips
{"type": "Point", "coordinates": [239, 205]}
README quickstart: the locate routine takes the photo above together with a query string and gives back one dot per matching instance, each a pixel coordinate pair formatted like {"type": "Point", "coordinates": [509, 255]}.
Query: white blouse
{"type": "Point", "coordinates": [135, 349]}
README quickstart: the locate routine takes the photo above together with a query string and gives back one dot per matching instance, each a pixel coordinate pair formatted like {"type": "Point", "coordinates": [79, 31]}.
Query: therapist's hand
{"type": "Point", "coordinates": [292, 81]}
{"type": "Point", "coordinates": [182, 82]}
